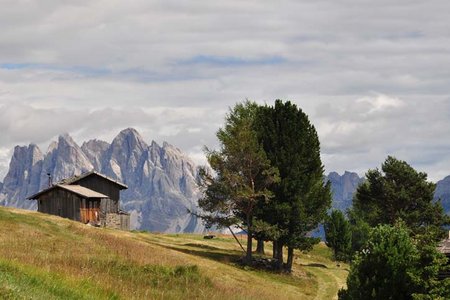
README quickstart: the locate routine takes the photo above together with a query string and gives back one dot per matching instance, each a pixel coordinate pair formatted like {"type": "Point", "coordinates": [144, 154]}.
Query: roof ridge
{"type": "Point", "coordinates": [74, 179]}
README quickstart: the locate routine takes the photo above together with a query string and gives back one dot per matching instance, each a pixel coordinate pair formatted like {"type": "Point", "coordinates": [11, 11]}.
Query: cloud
{"type": "Point", "coordinates": [359, 134]}
{"type": "Point", "coordinates": [373, 77]}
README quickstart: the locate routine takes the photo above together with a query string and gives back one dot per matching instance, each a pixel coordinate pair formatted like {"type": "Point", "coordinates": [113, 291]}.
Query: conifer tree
{"type": "Point", "coordinates": [300, 198]}
{"type": "Point", "coordinates": [338, 235]}
{"type": "Point", "coordinates": [396, 192]}
{"type": "Point", "coordinates": [242, 174]}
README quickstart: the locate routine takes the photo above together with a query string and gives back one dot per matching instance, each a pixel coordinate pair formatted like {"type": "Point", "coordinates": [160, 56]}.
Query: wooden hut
{"type": "Point", "coordinates": [89, 198]}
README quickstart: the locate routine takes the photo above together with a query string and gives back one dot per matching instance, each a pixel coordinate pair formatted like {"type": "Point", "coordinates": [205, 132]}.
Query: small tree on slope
{"type": "Point", "coordinates": [338, 235]}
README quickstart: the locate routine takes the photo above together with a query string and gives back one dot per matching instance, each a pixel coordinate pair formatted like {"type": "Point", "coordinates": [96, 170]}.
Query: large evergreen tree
{"type": "Point", "coordinates": [300, 198]}
{"type": "Point", "coordinates": [399, 192]}
{"type": "Point", "coordinates": [242, 174]}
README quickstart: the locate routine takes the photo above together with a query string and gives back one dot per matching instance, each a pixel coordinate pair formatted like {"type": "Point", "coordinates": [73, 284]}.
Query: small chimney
{"type": "Point", "coordinates": [50, 183]}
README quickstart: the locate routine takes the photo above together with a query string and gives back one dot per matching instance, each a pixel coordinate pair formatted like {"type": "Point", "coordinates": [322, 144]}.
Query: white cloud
{"type": "Point", "coordinates": [372, 76]}
{"type": "Point", "coordinates": [381, 103]}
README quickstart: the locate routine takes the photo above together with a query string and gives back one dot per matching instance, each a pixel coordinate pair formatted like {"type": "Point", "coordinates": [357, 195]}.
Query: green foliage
{"type": "Point", "coordinates": [399, 192]}
{"type": "Point", "coordinates": [267, 153]}
{"type": "Point", "coordinates": [393, 266]}
{"type": "Point", "coordinates": [242, 173]}
{"type": "Point", "coordinates": [301, 199]}
{"type": "Point", "coordinates": [338, 235]}
{"type": "Point", "coordinates": [359, 230]}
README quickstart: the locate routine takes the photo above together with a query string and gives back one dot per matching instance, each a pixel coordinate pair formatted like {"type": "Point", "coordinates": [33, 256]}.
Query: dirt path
{"type": "Point", "coordinates": [330, 278]}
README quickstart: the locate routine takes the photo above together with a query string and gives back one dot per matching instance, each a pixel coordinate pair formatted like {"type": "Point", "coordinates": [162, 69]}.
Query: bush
{"type": "Point", "coordinates": [392, 266]}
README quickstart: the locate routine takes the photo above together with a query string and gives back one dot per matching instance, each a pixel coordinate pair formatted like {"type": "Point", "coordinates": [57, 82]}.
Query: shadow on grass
{"type": "Point", "coordinates": [315, 265]}
{"type": "Point", "coordinates": [230, 257]}
{"type": "Point", "coordinates": [202, 246]}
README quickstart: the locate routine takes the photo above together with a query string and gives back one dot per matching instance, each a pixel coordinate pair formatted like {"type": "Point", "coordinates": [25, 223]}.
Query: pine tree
{"type": "Point", "coordinates": [242, 174]}
{"type": "Point", "coordinates": [300, 198]}
{"type": "Point", "coordinates": [338, 235]}
{"type": "Point", "coordinates": [399, 192]}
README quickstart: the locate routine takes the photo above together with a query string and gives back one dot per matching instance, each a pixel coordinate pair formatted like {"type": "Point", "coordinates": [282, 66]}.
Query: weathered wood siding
{"type": "Point", "coordinates": [61, 203]}
{"type": "Point", "coordinates": [101, 185]}
{"type": "Point", "coordinates": [106, 187]}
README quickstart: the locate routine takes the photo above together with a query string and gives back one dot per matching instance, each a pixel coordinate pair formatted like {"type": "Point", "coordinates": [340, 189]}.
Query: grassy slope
{"type": "Point", "coordinates": [47, 257]}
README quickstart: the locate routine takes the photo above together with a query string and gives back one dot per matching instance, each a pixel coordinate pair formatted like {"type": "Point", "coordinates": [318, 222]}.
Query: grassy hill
{"type": "Point", "coordinates": [47, 257]}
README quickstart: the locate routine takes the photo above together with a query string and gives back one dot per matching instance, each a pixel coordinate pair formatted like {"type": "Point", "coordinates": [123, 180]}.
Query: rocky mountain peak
{"type": "Point", "coordinates": [52, 147]}
{"type": "Point", "coordinates": [70, 159]}
{"type": "Point", "coordinates": [24, 171]}
{"type": "Point", "coordinates": [343, 188]}
{"type": "Point", "coordinates": [442, 193]}
{"type": "Point", "coordinates": [95, 151]}
{"type": "Point", "coordinates": [131, 139]}
{"type": "Point", "coordinates": [161, 180]}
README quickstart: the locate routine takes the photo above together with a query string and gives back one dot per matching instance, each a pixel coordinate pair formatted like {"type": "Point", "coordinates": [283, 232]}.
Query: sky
{"type": "Point", "coordinates": [373, 76]}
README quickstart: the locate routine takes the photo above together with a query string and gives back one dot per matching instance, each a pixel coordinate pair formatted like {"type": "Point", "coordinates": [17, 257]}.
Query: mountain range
{"type": "Point", "coordinates": [161, 179]}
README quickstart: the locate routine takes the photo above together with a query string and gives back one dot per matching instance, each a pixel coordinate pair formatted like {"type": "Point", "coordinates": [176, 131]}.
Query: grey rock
{"type": "Point", "coordinates": [23, 177]}
{"type": "Point", "coordinates": [343, 188]}
{"type": "Point", "coordinates": [161, 180]}
{"type": "Point", "coordinates": [442, 193]}
{"type": "Point", "coordinates": [95, 151]}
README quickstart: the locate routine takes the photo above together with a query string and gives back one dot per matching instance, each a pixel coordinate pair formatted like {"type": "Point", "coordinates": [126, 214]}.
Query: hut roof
{"type": "Point", "coordinates": [75, 179]}
{"type": "Point", "coordinates": [76, 189]}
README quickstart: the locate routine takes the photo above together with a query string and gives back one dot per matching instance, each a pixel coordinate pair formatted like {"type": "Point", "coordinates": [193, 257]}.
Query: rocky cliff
{"type": "Point", "coordinates": [443, 193]}
{"type": "Point", "coordinates": [161, 179]}
{"type": "Point", "coordinates": [343, 187]}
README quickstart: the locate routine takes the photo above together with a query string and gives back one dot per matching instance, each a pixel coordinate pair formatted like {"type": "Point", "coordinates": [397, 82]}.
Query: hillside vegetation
{"type": "Point", "coordinates": [47, 257]}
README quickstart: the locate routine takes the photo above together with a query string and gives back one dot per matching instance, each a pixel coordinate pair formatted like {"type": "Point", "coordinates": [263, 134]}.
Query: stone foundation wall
{"type": "Point", "coordinates": [117, 221]}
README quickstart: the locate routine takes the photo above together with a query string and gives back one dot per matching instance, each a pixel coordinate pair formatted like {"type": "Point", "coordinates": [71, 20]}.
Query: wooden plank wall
{"type": "Point", "coordinates": [61, 203]}
{"type": "Point", "coordinates": [101, 185]}
{"type": "Point", "coordinates": [105, 187]}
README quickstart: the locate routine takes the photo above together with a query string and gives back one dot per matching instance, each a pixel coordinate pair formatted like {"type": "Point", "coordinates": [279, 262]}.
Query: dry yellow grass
{"type": "Point", "coordinates": [68, 258]}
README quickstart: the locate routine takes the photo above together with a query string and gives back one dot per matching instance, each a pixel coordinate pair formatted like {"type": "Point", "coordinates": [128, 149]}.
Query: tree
{"type": "Point", "coordinates": [242, 174]}
{"type": "Point", "coordinates": [359, 230]}
{"type": "Point", "coordinates": [338, 235]}
{"type": "Point", "coordinates": [399, 192]}
{"type": "Point", "coordinates": [392, 267]}
{"type": "Point", "coordinates": [300, 198]}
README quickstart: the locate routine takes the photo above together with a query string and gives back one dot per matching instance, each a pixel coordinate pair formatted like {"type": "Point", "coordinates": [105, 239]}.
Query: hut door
{"type": "Point", "coordinates": [90, 210]}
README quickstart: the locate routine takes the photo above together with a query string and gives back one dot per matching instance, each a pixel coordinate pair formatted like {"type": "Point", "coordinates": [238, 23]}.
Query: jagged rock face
{"type": "Point", "coordinates": [65, 159]}
{"type": "Point", "coordinates": [161, 180]}
{"type": "Point", "coordinates": [442, 192]}
{"type": "Point", "coordinates": [95, 151]}
{"type": "Point", "coordinates": [23, 177]}
{"type": "Point", "coordinates": [343, 187]}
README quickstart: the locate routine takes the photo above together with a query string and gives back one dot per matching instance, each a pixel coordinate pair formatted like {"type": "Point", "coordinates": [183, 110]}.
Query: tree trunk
{"type": "Point", "coordinates": [248, 256]}
{"type": "Point", "coordinates": [290, 259]}
{"type": "Point", "coordinates": [260, 247]}
{"type": "Point", "coordinates": [279, 258]}
{"type": "Point", "coordinates": [274, 251]}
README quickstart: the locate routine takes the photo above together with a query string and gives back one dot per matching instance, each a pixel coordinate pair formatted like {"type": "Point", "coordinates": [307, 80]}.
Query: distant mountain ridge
{"type": "Point", "coordinates": [442, 192]}
{"type": "Point", "coordinates": [161, 179]}
{"type": "Point", "coordinates": [343, 188]}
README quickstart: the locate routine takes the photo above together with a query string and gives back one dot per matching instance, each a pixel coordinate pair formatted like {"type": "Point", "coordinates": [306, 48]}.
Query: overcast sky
{"type": "Point", "coordinates": [373, 76]}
